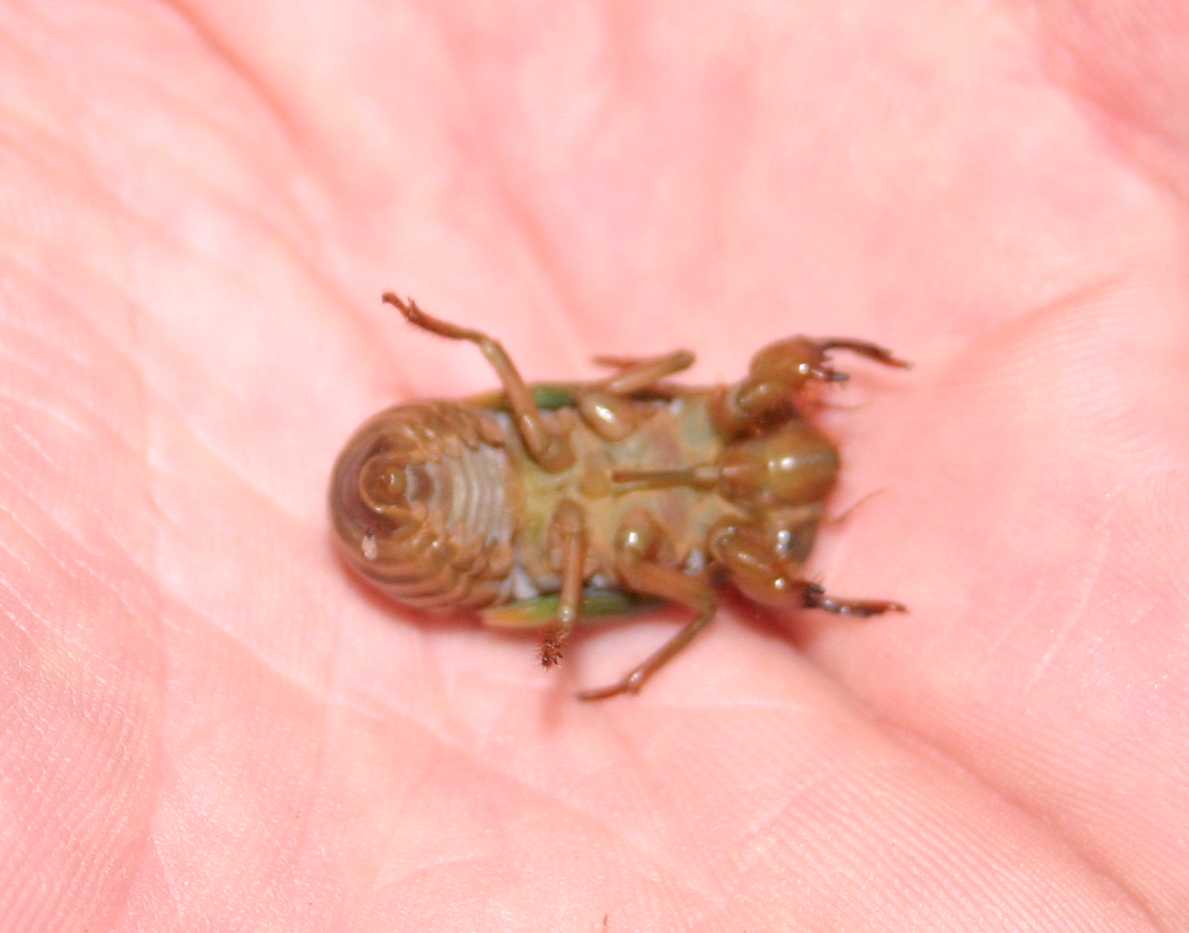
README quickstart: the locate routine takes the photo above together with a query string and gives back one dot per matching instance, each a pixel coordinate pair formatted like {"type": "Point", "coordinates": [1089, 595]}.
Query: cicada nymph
{"type": "Point", "coordinates": [540, 506]}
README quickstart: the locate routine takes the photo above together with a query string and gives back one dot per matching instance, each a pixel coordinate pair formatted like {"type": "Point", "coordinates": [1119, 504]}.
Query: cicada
{"type": "Point", "coordinates": [544, 505]}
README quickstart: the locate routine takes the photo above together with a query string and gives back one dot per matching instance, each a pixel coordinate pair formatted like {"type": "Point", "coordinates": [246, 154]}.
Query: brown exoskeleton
{"type": "Point", "coordinates": [542, 505]}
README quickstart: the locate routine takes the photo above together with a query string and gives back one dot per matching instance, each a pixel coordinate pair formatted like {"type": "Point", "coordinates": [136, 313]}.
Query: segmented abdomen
{"type": "Point", "coordinates": [424, 505]}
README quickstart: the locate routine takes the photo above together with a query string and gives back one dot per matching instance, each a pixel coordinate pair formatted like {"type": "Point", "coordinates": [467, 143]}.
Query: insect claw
{"type": "Point", "coordinates": [817, 598]}
{"type": "Point", "coordinates": [826, 373]}
{"type": "Point", "coordinates": [395, 300]}
{"type": "Point", "coordinates": [551, 653]}
{"type": "Point", "coordinates": [873, 351]}
{"type": "Point", "coordinates": [408, 307]}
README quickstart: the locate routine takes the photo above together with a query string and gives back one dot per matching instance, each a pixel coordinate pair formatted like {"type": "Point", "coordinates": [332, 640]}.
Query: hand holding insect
{"type": "Point", "coordinates": [630, 485]}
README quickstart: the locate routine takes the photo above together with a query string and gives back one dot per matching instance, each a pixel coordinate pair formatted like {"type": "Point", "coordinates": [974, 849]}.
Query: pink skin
{"type": "Point", "coordinates": [204, 724]}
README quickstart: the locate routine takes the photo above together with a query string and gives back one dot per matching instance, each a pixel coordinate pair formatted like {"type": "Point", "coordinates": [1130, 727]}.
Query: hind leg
{"type": "Point", "coordinates": [550, 449]}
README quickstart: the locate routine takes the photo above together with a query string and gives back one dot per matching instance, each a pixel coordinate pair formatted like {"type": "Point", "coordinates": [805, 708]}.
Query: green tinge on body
{"type": "Point", "coordinates": [541, 610]}
{"type": "Point", "coordinates": [548, 396]}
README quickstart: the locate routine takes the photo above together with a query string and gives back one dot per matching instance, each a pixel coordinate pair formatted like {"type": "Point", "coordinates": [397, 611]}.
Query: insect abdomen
{"type": "Point", "coordinates": [423, 501]}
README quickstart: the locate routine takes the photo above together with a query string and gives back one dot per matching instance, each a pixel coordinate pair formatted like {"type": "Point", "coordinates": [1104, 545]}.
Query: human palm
{"type": "Point", "coordinates": [208, 725]}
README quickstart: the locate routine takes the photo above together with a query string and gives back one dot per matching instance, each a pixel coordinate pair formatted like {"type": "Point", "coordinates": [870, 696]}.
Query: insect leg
{"type": "Point", "coordinates": [551, 450]}
{"type": "Point", "coordinates": [603, 404]}
{"type": "Point", "coordinates": [797, 360]}
{"type": "Point", "coordinates": [569, 532]}
{"type": "Point", "coordinates": [672, 585]}
{"type": "Point", "coordinates": [609, 416]}
{"type": "Point", "coordinates": [817, 598]}
{"type": "Point", "coordinates": [640, 573]}
{"type": "Point", "coordinates": [636, 375]}
{"type": "Point", "coordinates": [751, 557]}
{"type": "Point", "coordinates": [781, 369]}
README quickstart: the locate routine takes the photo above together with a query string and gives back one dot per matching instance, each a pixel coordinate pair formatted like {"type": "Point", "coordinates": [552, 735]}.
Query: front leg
{"type": "Point", "coordinates": [817, 598]}
{"type": "Point", "coordinates": [781, 370]}
{"type": "Point", "coordinates": [753, 561]}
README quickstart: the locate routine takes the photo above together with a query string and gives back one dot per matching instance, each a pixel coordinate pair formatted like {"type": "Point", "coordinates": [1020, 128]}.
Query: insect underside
{"type": "Point", "coordinates": [545, 505]}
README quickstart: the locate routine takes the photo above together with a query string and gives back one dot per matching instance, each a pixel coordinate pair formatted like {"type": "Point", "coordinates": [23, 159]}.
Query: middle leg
{"type": "Point", "coordinates": [569, 542]}
{"type": "Point", "coordinates": [636, 375]}
{"type": "Point", "coordinates": [606, 405]}
{"type": "Point", "coordinates": [638, 545]}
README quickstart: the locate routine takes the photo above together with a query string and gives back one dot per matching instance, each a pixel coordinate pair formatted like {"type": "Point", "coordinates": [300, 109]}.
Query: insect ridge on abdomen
{"type": "Point", "coordinates": [547, 505]}
{"type": "Point", "coordinates": [424, 499]}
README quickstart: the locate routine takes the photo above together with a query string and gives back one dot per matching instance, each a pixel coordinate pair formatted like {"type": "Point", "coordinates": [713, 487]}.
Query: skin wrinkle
{"type": "Point", "coordinates": [10, 553]}
{"type": "Point", "coordinates": [64, 351]}
{"type": "Point", "coordinates": [233, 211]}
{"type": "Point", "coordinates": [401, 881]}
{"type": "Point", "coordinates": [645, 777]}
{"type": "Point", "coordinates": [1061, 305]}
{"type": "Point", "coordinates": [166, 234]}
{"type": "Point", "coordinates": [259, 87]}
{"type": "Point", "coordinates": [907, 736]}
{"type": "Point", "coordinates": [568, 807]}
{"type": "Point", "coordinates": [171, 885]}
{"type": "Point", "coordinates": [277, 235]}
{"type": "Point", "coordinates": [85, 777]}
{"type": "Point", "coordinates": [227, 462]}
{"type": "Point", "coordinates": [17, 402]}
{"type": "Point", "coordinates": [52, 554]}
{"type": "Point", "coordinates": [1065, 66]}
{"type": "Point", "coordinates": [308, 691]}
{"type": "Point", "coordinates": [1101, 533]}
{"type": "Point", "coordinates": [1019, 621]}
{"type": "Point", "coordinates": [534, 239]}
{"type": "Point", "coordinates": [666, 873]}
{"type": "Point", "coordinates": [21, 627]}
{"type": "Point", "coordinates": [293, 840]}
{"type": "Point", "coordinates": [406, 712]}
{"type": "Point", "coordinates": [1079, 297]}
{"type": "Point", "coordinates": [1043, 826]}
{"type": "Point", "coordinates": [89, 186]}
{"type": "Point", "coordinates": [44, 407]}
{"type": "Point", "coordinates": [1071, 300]}
{"type": "Point", "coordinates": [299, 836]}
{"type": "Point", "coordinates": [409, 785]}
{"type": "Point", "coordinates": [18, 365]}
{"type": "Point", "coordinates": [168, 100]}
{"type": "Point", "coordinates": [530, 230]}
